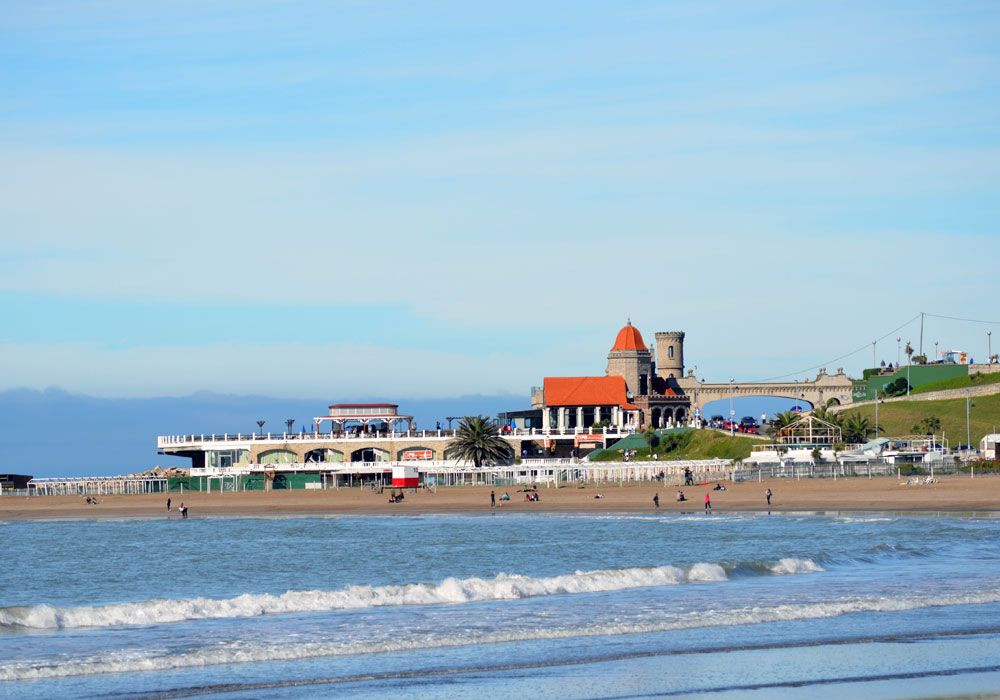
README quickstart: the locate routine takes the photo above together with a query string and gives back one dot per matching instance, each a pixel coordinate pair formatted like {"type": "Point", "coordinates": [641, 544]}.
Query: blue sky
{"type": "Point", "coordinates": [344, 199]}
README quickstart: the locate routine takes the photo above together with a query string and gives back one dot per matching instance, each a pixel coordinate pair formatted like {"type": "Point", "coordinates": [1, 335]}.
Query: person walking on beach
{"type": "Point", "coordinates": [768, 494]}
{"type": "Point", "coordinates": [493, 499]}
{"type": "Point", "coordinates": [168, 505]}
{"type": "Point", "coordinates": [656, 500]}
{"type": "Point", "coordinates": [184, 511]}
{"type": "Point", "coordinates": [708, 503]}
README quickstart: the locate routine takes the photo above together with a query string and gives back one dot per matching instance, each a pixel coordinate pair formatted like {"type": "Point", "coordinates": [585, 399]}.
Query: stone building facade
{"type": "Point", "coordinates": [649, 395]}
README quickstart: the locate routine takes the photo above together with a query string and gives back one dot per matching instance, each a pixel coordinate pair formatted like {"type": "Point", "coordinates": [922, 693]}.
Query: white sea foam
{"type": "Point", "coordinates": [451, 590]}
{"type": "Point", "coordinates": [844, 520]}
{"type": "Point", "coordinates": [795, 566]}
{"type": "Point", "coordinates": [133, 661]}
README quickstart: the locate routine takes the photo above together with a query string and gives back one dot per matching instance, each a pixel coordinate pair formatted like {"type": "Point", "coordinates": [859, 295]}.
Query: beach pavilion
{"type": "Point", "coordinates": [364, 415]}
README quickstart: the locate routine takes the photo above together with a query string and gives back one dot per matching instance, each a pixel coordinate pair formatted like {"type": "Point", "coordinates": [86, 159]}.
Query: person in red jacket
{"type": "Point", "coordinates": [708, 503]}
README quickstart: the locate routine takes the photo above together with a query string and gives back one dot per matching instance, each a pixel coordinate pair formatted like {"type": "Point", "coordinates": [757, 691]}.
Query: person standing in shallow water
{"type": "Point", "coordinates": [708, 503]}
{"type": "Point", "coordinates": [656, 500]}
{"type": "Point", "coordinates": [168, 505]}
{"type": "Point", "coordinates": [493, 499]}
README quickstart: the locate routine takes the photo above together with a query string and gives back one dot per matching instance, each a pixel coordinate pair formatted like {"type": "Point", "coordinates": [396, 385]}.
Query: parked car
{"type": "Point", "coordinates": [716, 421]}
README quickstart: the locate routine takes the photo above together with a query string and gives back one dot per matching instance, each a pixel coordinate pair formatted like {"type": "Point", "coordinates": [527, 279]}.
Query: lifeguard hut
{"type": "Point", "coordinates": [405, 476]}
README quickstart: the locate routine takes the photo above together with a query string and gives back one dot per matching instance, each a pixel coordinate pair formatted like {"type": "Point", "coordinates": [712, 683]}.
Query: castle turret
{"type": "Point", "coordinates": [670, 355]}
{"type": "Point", "coordinates": [631, 359]}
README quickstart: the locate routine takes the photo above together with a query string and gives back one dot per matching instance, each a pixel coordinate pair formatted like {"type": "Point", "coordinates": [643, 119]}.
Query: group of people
{"type": "Point", "coordinates": [394, 497]}
{"type": "Point", "coordinates": [183, 510]}
{"type": "Point", "coordinates": [493, 498]}
{"type": "Point", "coordinates": [91, 501]}
{"type": "Point", "coordinates": [708, 498]}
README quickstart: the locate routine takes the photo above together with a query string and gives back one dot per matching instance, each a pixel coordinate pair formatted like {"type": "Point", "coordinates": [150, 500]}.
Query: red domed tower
{"type": "Point", "coordinates": [631, 359]}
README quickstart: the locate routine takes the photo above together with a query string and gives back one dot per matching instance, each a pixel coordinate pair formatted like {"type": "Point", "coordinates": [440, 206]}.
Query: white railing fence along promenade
{"type": "Point", "coordinates": [834, 470]}
{"type": "Point", "coordinates": [523, 433]}
{"type": "Point", "coordinates": [97, 486]}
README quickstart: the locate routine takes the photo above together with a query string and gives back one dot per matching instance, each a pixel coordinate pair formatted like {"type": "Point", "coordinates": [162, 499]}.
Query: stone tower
{"type": "Point", "coordinates": [631, 359]}
{"type": "Point", "coordinates": [670, 355]}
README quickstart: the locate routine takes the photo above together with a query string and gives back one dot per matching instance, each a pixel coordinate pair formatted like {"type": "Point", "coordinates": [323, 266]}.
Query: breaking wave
{"type": "Point", "coordinates": [242, 652]}
{"type": "Point", "coordinates": [449, 591]}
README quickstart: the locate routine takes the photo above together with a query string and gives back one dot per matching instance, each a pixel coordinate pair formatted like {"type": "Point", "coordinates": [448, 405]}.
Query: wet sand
{"type": "Point", "coordinates": [948, 494]}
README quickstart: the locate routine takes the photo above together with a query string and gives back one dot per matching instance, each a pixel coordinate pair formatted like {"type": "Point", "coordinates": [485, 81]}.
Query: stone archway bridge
{"type": "Point", "coordinates": [817, 392]}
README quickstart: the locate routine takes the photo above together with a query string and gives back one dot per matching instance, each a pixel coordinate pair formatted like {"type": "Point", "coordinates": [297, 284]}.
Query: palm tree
{"type": "Point", "coordinates": [928, 426]}
{"type": "Point", "coordinates": [824, 414]}
{"type": "Point", "coordinates": [908, 350]}
{"type": "Point", "coordinates": [781, 420]}
{"type": "Point", "coordinates": [857, 428]}
{"type": "Point", "coordinates": [478, 440]}
{"type": "Point", "coordinates": [650, 437]}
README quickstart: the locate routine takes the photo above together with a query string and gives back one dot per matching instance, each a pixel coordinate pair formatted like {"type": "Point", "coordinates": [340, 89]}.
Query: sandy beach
{"type": "Point", "coordinates": [947, 494]}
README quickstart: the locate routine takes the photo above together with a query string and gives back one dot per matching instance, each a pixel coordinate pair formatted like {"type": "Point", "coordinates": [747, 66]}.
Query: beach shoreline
{"type": "Point", "coordinates": [949, 494]}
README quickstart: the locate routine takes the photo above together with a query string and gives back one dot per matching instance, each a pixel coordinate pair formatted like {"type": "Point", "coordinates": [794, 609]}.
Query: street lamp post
{"type": "Point", "coordinates": [968, 431]}
{"type": "Point", "coordinates": [897, 351]}
{"type": "Point", "coordinates": [260, 426]}
{"type": "Point", "coordinates": [989, 347]}
{"type": "Point", "coordinates": [288, 424]}
{"type": "Point", "coordinates": [697, 406]}
{"type": "Point", "coordinates": [874, 363]}
{"type": "Point", "coordinates": [909, 356]}
{"type": "Point", "coordinates": [936, 356]}
{"type": "Point", "coordinates": [876, 414]}
{"type": "Point", "coordinates": [732, 412]}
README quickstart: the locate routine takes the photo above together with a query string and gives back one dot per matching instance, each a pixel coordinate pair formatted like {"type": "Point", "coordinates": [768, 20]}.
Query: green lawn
{"type": "Point", "coordinates": [692, 444]}
{"type": "Point", "coordinates": [958, 383]}
{"type": "Point", "coordinates": [899, 417]}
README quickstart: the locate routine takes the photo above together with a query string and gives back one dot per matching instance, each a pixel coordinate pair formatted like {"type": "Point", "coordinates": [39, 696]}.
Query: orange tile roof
{"type": "Point", "coordinates": [586, 391]}
{"type": "Point", "coordinates": [629, 338]}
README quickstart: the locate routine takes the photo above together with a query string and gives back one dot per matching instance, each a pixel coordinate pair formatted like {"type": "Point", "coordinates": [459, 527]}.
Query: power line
{"type": "Point", "coordinates": [842, 357]}
{"type": "Point", "coordinates": [967, 320]}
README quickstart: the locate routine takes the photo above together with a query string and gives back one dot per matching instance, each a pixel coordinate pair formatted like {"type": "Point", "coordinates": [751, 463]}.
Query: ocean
{"type": "Point", "coordinates": [502, 606]}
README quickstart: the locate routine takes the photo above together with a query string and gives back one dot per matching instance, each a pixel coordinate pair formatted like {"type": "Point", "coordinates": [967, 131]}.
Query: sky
{"type": "Point", "coordinates": [386, 199]}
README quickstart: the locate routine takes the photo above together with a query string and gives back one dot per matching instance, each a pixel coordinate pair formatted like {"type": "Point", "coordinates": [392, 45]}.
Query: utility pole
{"type": "Point", "coordinates": [921, 332]}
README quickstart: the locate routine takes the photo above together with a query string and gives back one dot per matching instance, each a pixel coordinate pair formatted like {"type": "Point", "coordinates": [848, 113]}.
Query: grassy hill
{"type": "Point", "coordinates": [898, 418]}
{"type": "Point", "coordinates": [963, 382]}
{"type": "Point", "coordinates": [691, 444]}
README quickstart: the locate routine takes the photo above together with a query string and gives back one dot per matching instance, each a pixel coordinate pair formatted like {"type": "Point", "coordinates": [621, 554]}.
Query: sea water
{"type": "Point", "coordinates": [502, 605]}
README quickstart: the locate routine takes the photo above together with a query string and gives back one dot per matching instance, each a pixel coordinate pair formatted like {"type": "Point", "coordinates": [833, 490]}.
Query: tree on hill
{"type": "Point", "coordinates": [478, 440]}
{"type": "Point", "coordinates": [928, 426]}
{"type": "Point", "coordinates": [897, 387]}
{"type": "Point", "coordinates": [856, 428]}
{"type": "Point", "coordinates": [650, 436]}
{"type": "Point", "coordinates": [908, 350]}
